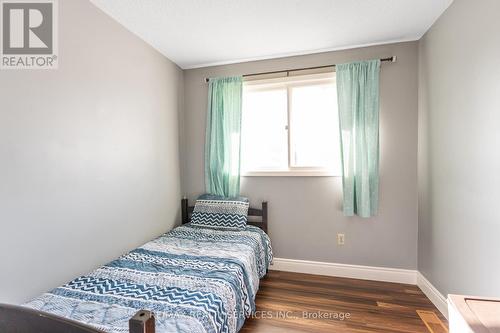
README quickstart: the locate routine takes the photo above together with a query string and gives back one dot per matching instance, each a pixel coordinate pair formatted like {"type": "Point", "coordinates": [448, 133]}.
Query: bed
{"type": "Point", "coordinates": [191, 279]}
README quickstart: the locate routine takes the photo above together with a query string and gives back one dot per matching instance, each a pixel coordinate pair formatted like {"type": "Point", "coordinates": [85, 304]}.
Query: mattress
{"type": "Point", "coordinates": [194, 279]}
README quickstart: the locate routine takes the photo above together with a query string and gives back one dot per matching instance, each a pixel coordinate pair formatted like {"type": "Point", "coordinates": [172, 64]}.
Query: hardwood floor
{"type": "Point", "coordinates": [292, 303]}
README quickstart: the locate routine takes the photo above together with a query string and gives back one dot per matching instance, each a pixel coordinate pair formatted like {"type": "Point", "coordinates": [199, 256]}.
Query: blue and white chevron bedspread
{"type": "Point", "coordinates": [194, 279]}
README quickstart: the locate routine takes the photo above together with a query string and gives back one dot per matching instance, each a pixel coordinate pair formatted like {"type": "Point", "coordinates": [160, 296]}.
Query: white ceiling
{"type": "Point", "coordinates": [199, 33]}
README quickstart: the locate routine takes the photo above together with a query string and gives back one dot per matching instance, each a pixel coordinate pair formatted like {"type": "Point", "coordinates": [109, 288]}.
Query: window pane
{"type": "Point", "coordinates": [314, 126]}
{"type": "Point", "coordinates": [264, 136]}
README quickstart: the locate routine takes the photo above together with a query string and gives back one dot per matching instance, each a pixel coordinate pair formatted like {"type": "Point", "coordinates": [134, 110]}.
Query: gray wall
{"type": "Point", "coordinates": [459, 153]}
{"type": "Point", "coordinates": [89, 157]}
{"type": "Point", "coordinates": [305, 212]}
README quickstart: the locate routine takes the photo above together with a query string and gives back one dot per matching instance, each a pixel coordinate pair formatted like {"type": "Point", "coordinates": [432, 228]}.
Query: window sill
{"type": "Point", "coordinates": [291, 173]}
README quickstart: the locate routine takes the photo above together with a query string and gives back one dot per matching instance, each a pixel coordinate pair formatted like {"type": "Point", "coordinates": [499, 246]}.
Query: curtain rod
{"type": "Point", "coordinates": [389, 59]}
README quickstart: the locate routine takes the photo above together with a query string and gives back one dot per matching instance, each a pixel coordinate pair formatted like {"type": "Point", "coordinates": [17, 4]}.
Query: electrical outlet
{"type": "Point", "coordinates": [340, 239]}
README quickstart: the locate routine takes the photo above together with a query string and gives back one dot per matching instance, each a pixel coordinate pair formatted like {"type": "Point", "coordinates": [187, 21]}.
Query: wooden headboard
{"type": "Point", "coordinates": [260, 215]}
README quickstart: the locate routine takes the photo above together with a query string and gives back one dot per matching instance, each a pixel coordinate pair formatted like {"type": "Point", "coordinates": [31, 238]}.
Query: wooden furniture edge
{"type": "Point", "coordinates": [16, 318]}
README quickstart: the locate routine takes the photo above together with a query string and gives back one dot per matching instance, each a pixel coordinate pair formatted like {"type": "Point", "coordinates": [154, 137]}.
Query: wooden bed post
{"type": "Point", "coordinates": [142, 322]}
{"type": "Point", "coordinates": [184, 210]}
{"type": "Point", "coordinates": [264, 216]}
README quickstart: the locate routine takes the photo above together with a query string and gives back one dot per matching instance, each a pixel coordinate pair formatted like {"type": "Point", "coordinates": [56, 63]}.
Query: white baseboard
{"type": "Point", "coordinates": [344, 270]}
{"type": "Point", "coordinates": [433, 294]}
{"type": "Point", "coordinates": [365, 273]}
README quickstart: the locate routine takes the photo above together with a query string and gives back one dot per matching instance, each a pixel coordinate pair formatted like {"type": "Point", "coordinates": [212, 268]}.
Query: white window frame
{"type": "Point", "coordinates": [289, 82]}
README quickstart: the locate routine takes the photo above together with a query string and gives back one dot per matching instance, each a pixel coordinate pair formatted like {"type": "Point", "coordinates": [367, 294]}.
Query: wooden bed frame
{"type": "Point", "coordinates": [20, 319]}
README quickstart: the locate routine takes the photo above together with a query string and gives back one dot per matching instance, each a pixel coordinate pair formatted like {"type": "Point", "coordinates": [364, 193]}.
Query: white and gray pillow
{"type": "Point", "coordinates": [219, 212]}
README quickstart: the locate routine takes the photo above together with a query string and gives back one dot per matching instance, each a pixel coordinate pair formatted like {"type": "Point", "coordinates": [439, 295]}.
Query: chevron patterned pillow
{"type": "Point", "coordinates": [219, 212]}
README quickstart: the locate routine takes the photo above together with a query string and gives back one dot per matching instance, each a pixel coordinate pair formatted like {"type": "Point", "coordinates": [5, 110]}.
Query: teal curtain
{"type": "Point", "coordinates": [358, 99]}
{"type": "Point", "coordinates": [223, 136]}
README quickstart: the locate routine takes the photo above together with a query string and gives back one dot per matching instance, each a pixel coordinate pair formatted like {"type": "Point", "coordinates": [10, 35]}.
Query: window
{"type": "Point", "coordinates": [290, 127]}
